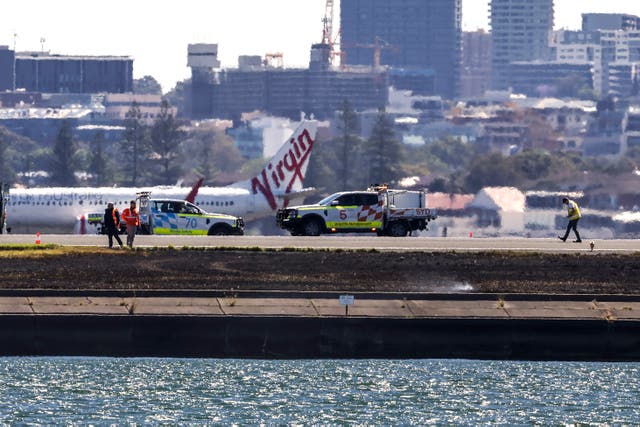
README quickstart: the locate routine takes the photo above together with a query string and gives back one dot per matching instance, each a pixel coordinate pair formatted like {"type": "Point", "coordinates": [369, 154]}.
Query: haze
{"type": "Point", "coordinates": [156, 34]}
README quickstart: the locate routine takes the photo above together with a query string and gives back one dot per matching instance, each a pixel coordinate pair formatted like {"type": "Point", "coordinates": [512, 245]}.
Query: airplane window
{"type": "Point", "coordinates": [231, 203]}
{"type": "Point", "coordinates": [48, 202]}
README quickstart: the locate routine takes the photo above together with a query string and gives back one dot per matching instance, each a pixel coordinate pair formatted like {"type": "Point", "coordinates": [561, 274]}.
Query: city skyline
{"type": "Point", "coordinates": [156, 35]}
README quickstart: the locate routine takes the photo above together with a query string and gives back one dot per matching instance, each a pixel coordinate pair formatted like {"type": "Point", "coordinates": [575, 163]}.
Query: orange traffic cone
{"type": "Point", "coordinates": [38, 238]}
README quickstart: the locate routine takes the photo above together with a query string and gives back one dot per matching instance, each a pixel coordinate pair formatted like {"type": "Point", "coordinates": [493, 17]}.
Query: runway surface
{"type": "Point", "coordinates": [345, 242]}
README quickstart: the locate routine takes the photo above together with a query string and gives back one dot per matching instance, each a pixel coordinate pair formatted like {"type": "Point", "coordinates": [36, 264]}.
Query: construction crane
{"type": "Point", "coordinates": [377, 47]}
{"type": "Point", "coordinates": [327, 23]}
{"type": "Point", "coordinates": [328, 40]}
{"type": "Point", "coordinates": [273, 60]}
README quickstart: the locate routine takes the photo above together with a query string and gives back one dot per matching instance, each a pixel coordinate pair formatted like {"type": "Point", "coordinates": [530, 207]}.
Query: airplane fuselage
{"type": "Point", "coordinates": [63, 209]}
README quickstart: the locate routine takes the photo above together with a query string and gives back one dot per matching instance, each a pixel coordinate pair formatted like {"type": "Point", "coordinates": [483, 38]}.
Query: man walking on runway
{"type": "Point", "coordinates": [573, 213]}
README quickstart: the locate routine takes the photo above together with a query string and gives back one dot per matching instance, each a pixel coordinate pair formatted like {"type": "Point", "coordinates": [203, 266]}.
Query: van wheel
{"type": "Point", "coordinates": [312, 227]}
{"type": "Point", "coordinates": [397, 229]}
{"type": "Point", "coordinates": [219, 230]}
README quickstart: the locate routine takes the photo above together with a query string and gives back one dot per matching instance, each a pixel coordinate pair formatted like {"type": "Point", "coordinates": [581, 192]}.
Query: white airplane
{"type": "Point", "coordinates": [66, 209]}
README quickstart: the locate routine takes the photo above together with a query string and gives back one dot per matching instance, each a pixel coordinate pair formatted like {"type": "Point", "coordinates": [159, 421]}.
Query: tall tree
{"type": "Point", "coordinates": [166, 137]}
{"type": "Point", "coordinates": [179, 96]}
{"type": "Point", "coordinates": [147, 85]}
{"type": "Point", "coordinates": [384, 152]}
{"type": "Point", "coordinates": [134, 145]}
{"type": "Point", "coordinates": [62, 168]}
{"type": "Point", "coordinates": [491, 170]}
{"type": "Point", "coordinates": [100, 165]}
{"type": "Point", "coordinates": [322, 165]}
{"type": "Point", "coordinates": [6, 173]}
{"type": "Point", "coordinates": [347, 146]}
{"type": "Point", "coordinates": [208, 152]}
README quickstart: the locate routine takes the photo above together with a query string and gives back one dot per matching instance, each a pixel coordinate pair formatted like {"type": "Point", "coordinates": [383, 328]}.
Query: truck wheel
{"type": "Point", "coordinates": [397, 229]}
{"type": "Point", "coordinates": [311, 227]}
{"type": "Point", "coordinates": [219, 230]}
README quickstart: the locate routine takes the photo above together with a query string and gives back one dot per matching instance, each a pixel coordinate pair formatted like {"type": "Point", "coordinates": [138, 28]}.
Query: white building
{"type": "Point", "coordinates": [499, 210]}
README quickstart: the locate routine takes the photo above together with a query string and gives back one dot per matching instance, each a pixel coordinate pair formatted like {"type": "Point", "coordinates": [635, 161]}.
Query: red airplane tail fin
{"type": "Point", "coordinates": [191, 197]}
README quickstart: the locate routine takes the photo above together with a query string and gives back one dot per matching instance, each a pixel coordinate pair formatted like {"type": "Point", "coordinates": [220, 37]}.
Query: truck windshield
{"type": "Point", "coordinates": [188, 208]}
{"type": "Point", "coordinates": [327, 200]}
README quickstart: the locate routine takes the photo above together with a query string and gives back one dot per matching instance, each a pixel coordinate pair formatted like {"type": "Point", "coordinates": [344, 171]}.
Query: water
{"type": "Point", "coordinates": [107, 391]}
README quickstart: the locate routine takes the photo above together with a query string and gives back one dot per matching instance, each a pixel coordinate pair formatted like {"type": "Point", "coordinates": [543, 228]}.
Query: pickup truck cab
{"type": "Point", "coordinates": [377, 210]}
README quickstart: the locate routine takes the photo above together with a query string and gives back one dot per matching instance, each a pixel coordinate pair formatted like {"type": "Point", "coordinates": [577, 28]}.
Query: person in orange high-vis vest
{"type": "Point", "coordinates": [132, 219]}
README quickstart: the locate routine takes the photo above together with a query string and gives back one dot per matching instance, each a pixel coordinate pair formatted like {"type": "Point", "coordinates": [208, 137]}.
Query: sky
{"type": "Point", "coordinates": [156, 33]}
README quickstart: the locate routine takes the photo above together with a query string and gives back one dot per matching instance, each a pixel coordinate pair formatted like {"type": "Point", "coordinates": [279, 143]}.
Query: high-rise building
{"type": "Point", "coordinates": [7, 68]}
{"type": "Point", "coordinates": [265, 85]}
{"type": "Point", "coordinates": [202, 58]}
{"type": "Point", "coordinates": [475, 75]}
{"type": "Point", "coordinates": [612, 55]}
{"type": "Point", "coordinates": [407, 34]}
{"type": "Point", "coordinates": [520, 31]}
{"type": "Point", "coordinates": [47, 73]}
{"type": "Point", "coordinates": [609, 21]}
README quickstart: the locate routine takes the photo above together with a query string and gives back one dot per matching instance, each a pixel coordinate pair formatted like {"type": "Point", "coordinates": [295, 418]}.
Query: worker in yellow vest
{"type": "Point", "coordinates": [573, 213]}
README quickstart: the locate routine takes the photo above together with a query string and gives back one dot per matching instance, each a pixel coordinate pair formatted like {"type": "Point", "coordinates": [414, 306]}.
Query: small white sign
{"type": "Point", "coordinates": [346, 299]}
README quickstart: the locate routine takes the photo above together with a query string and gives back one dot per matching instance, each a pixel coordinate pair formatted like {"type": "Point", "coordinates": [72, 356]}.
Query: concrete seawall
{"type": "Point", "coordinates": [302, 337]}
{"type": "Point", "coordinates": [314, 325]}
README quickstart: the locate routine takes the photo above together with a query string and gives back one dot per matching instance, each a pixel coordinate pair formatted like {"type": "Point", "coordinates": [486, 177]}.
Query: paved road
{"type": "Point", "coordinates": [345, 242]}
